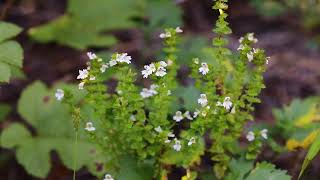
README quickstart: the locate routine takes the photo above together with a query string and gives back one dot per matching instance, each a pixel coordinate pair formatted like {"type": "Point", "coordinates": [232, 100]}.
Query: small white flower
{"type": "Point", "coordinates": [241, 47]}
{"type": "Point", "coordinates": [204, 113]}
{"type": "Point", "coordinates": [250, 56]}
{"type": "Point", "coordinates": [203, 101]}
{"type": "Point", "coordinates": [91, 55]}
{"type": "Point", "coordinates": [89, 127]}
{"type": "Point", "coordinates": [133, 118]}
{"type": "Point", "coordinates": [178, 117]}
{"type": "Point", "coordinates": [108, 177]}
{"type": "Point", "coordinates": [250, 136]}
{"type": "Point", "coordinates": [148, 70]}
{"type": "Point", "coordinates": [92, 78]}
{"type": "Point", "coordinates": [145, 93]}
{"type": "Point", "coordinates": [241, 39]}
{"type": "Point", "coordinates": [165, 35]}
{"type": "Point", "coordinates": [112, 63]}
{"type": "Point", "coordinates": [103, 68]}
{"type": "Point", "coordinates": [153, 90]}
{"type": "Point", "coordinates": [158, 129]}
{"type": "Point", "coordinates": [196, 113]}
{"type": "Point", "coordinates": [267, 60]}
{"type": "Point", "coordinates": [81, 85]}
{"type": "Point", "coordinates": [252, 38]}
{"type": "Point", "coordinates": [264, 133]}
{"type": "Point", "coordinates": [219, 103]}
{"type": "Point", "coordinates": [59, 94]}
{"type": "Point", "coordinates": [123, 58]}
{"type": "Point", "coordinates": [227, 104]}
{"type": "Point", "coordinates": [83, 74]}
{"type": "Point", "coordinates": [170, 134]}
{"type": "Point", "coordinates": [161, 71]}
{"type": "Point", "coordinates": [187, 115]}
{"type": "Point", "coordinates": [177, 145]}
{"type": "Point", "coordinates": [163, 64]}
{"type": "Point", "coordinates": [204, 69]}
{"type": "Point", "coordinates": [178, 30]}
{"type": "Point", "coordinates": [169, 92]}
{"type": "Point", "coordinates": [191, 141]}
{"type": "Point", "coordinates": [167, 141]}
{"type": "Point", "coordinates": [196, 61]}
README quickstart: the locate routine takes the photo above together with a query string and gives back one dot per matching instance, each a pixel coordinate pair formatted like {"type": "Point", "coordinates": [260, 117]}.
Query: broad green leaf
{"type": "Point", "coordinates": [4, 72]}
{"type": "Point", "coordinates": [54, 131]}
{"type": "Point", "coordinates": [14, 135]}
{"type": "Point", "coordinates": [131, 169]}
{"type": "Point", "coordinates": [86, 22]}
{"type": "Point", "coordinates": [238, 169]}
{"type": "Point", "coordinates": [11, 53]}
{"type": "Point", "coordinates": [4, 111]}
{"type": "Point", "coordinates": [8, 30]}
{"type": "Point", "coordinates": [265, 171]}
{"type": "Point", "coordinates": [189, 95]}
{"type": "Point", "coordinates": [313, 151]}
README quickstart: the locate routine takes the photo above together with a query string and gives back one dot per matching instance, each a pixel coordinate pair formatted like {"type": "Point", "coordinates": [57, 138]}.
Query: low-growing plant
{"type": "Point", "coordinates": [137, 122]}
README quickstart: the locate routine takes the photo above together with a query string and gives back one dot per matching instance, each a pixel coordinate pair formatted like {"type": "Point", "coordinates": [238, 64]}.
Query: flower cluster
{"type": "Point", "coordinates": [145, 93]}
{"type": "Point", "coordinates": [168, 34]}
{"type": "Point", "coordinates": [179, 116]}
{"type": "Point", "coordinates": [159, 69]}
{"type": "Point", "coordinates": [251, 135]}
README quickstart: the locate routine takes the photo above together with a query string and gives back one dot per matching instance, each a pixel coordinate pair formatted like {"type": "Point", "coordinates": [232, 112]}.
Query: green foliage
{"type": "Point", "coordinates": [266, 171]}
{"type": "Point", "coordinates": [86, 22]}
{"type": "Point", "coordinates": [52, 125]}
{"type": "Point", "coordinates": [313, 151]}
{"type": "Point", "coordinates": [4, 111]}
{"type": "Point", "coordinates": [11, 53]}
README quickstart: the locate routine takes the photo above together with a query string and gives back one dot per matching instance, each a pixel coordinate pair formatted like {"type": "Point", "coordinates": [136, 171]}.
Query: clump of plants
{"type": "Point", "coordinates": [136, 121]}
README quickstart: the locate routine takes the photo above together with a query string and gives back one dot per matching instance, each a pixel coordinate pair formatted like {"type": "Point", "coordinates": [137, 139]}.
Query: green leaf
{"type": "Point", "coordinates": [313, 151]}
{"type": "Point", "coordinates": [8, 30]}
{"type": "Point", "coordinates": [54, 131]}
{"type": "Point", "coordinates": [85, 23]}
{"type": "Point", "coordinates": [4, 111]}
{"type": "Point", "coordinates": [14, 135]}
{"type": "Point", "coordinates": [238, 169]}
{"type": "Point", "coordinates": [189, 95]}
{"type": "Point", "coordinates": [131, 169]}
{"type": "Point", "coordinates": [265, 171]}
{"type": "Point", "coordinates": [11, 53]}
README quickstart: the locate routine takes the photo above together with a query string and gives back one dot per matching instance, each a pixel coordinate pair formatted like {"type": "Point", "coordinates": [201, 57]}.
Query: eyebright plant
{"type": "Point", "coordinates": [136, 121]}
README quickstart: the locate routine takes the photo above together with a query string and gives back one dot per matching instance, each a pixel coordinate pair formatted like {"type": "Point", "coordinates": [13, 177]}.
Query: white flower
{"type": "Point", "coordinates": [170, 134]}
{"type": "Point", "coordinates": [178, 117]}
{"type": "Point", "coordinates": [267, 60]}
{"type": "Point", "coordinates": [165, 35]}
{"type": "Point", "coordinates": [153, 88]}
{"type": "Point", "coordinates": [158, 129]}
{"type": "Point", "coordinates": [169, 92]}
{"type": "Point", "coordinates": [241, 47]}
{"type": "Point", "coordinates": [227, 104]}
{"type": "Point", "coordinates": [103, 68]}
{"type": "Point", "coordinates": [196, 113]}
{"type": "Point", "coordinates": [241, 39]}
{"type": "Point", "coordinates": [252, 38]}
{"type": "Point", "coordinates": [177, 145]}
{"type": "Point", "coordinates": [133, 118]}
{"type": "Point", "coordinates": [191, 141]}
{"type": "Point", "coordinates": [89, 127]}
{"type": "Point", "coordinates": [204, 69]}
{"type": "Point", "coordinates": [92, 78]}
{"type": "Point", "coordinates": [161, 71]}
{"type": "Point", "coordinates": [167, 141]}
{"type": "Point", "coordinates": [264, 133]}
{"type": "Point", "coordinates": [81, 85]}
{"type": "Point", "coordinates": [112, 63]}
{"type": "Point", "coordinates": [178, 30]}
{"type": "Point", "coordinates": [145, 93]}
{"type": "Point", "coordinates": [83, 74]}
{"type": "Point", "coordinates": [204, 113]}
{"type": "Point", "coordinates": [163, 64]}
{"type": "Point", "coordinates": [203, 101]}
{"type": "Point", "coordinates": [123, 58]}
{"type": "Point", "coordinates": [108, 177]}
{"type": "Point", "coordinates": [250, 136]}
{"type": "Point", "coordinates": [187, 115]}
{"type": "Point", "coordinates": [59, 94]}
{"type": "Point", "coordinates": [250, 56]}
{"type": "Point", "coordinates": [148, 70]}
{"type": "Point", "coordinates": [91, 55]}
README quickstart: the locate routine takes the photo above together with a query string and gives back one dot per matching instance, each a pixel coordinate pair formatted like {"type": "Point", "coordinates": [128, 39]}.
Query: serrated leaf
{"type": "Point", "coordinates": [238, 169]}
{"type": "Point", "coordinates": [265, 171]}
{"type": "Point", "coordinates": [4, 72]}
{"type": "Point", "coordinates": [8, 30]}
